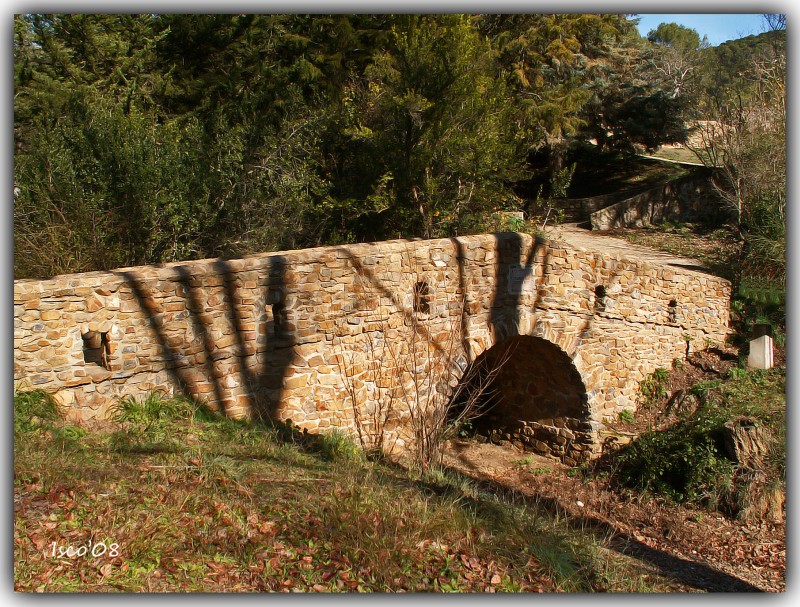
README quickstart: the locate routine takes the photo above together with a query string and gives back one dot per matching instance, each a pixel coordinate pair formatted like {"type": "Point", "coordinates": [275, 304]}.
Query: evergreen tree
{"type": "Point", "coordinates": [551, 62]}
{"type": "Point", "coordinates": [429, 130]}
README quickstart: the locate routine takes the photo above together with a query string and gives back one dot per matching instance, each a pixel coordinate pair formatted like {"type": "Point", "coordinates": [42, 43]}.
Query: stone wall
{"type": "Point", "coordinates": [579, 210]}
{"type": "Point", "coordinates": [691, 198]}
{"type": "Point", "coordinates": [345, 336]}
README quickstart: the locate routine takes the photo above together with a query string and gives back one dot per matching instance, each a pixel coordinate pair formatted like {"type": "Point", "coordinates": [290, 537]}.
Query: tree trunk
{"type": "Point", "coordinates": [745, 441]}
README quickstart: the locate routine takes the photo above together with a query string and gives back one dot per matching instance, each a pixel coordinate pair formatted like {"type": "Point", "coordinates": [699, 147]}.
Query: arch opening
{"type": "Point", "coordinates": [534, 399]}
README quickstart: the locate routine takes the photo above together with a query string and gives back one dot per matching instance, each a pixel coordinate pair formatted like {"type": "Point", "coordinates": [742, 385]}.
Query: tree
{"type": "Point", "coordinates": [430, 122]}
{"type": "Point", "coordinates": [725, 67]}
{"type": "Point", "coordinates": [59, 58]}
{"type": "Point", "coordinates": [675, 36]}
{"type": "Point", "coordinates": [157, 138]}
{"type": "Point", "coordinates": [101, 179]}
{"type": "Point", "coordinates": [747, 144]}
{"type": "Point", "coordinates": [632, 104]}
{"type": "Point", "coordinates": [677, 56]}
{"type": "Point", "coordinates": [551, 62]}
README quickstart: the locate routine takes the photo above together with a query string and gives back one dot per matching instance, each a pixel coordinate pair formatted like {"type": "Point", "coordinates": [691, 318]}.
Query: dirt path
{"type": "Point", "coordinates": [592, 241]}
{"type": "Point", "coordinates": [695, 550]}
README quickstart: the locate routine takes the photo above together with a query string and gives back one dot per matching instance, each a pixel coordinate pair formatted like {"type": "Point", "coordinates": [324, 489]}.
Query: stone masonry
{"type": "Point", "coordinates": [336, 337]}
{"type": "Point", "coordinates": [690, 198]}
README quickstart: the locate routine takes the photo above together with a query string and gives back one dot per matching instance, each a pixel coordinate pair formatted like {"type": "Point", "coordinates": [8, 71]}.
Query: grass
{"type": "Point", "coordinates": [626, 416]}
{"type": "Point", "coordinates": [198, 503]}
{"type": "Point", "coordinates": [713, 247]}
{"type": "Point", "coordinates": [681, 154]}
{"type": "Point", "coordinates": [601, 172]}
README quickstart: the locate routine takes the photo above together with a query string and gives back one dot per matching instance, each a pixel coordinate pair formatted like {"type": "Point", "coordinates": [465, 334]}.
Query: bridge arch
{"type": "Point", "coordinates": [530, 394]}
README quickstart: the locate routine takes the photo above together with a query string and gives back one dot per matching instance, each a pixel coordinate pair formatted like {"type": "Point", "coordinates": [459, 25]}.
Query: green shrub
{"type": "Point", "coordinates": [654, 386]}
{"type": "Point", "coordinates": [514, 224]}
{"type": "Point", "coordinates": [626, 416]}
{"type": "Point", "coordinates": [686, 463]}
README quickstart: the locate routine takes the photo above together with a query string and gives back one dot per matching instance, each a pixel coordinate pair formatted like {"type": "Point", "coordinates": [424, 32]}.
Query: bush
{"type": "Point", "coordinates": [654, 386]}
{"type": "Point", "coordinates": [686, 463]}
{"type": "Point", "coordinates": [34, 409]}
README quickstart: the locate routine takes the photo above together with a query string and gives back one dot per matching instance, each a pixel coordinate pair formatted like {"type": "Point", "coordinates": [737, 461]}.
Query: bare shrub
{"type": "Point", "coordinates": [410, 377]}
{"type": "Point", "coordinates": [746, 145]}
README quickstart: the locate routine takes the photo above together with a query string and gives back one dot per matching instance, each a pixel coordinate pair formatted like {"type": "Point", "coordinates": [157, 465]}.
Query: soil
{"type": "Point", "coordinates": [704, 365]}
{"type": "Point", "coordinates": [695, 550]}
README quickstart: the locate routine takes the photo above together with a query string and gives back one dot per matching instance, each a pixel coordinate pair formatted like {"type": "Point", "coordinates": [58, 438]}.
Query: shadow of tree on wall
{"type": "Point", "coordinates": [260, 369]}
{"type": "Point", "coordinates": [201, 322]}
{"type": "Point", "coordinates": [173, 360]}
{"type": "Point", "coordinates": [409, 316]}
{"type": "Point", "coordinates": [251, 368]}
{"type": "Point", "coordinates": [461, 290]}
{"type": "Point", "coordinates": [245, 349]}
{"type": "Point", "coordinates": [279, 342]}
{"type": "Point", "coordinates": [510, 274]}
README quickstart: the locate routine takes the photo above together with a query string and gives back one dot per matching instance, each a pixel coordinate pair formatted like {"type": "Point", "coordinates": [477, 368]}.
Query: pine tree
{"type": "Point", "coordinates": [433, 119]}
{"type": "Point", "coordinates": [551, 60]}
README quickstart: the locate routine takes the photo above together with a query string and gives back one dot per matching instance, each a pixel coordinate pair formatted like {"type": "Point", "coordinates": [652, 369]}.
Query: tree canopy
{"type": "Point", "coordinates": [675, 36]}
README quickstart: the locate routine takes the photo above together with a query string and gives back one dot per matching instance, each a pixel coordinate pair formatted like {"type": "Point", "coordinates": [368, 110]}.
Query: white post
{"type": "Point", "coordinates": [761, 355]}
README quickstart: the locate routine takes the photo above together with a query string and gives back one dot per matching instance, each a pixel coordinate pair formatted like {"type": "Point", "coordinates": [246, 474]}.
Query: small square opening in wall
{"type": "Point", "coordinates": [96, 348]}
{"type": "Point", "coordinates": [278, 318]}
{"type": "Point", "coordinates": [672, 311]}
{"type": "Point", "coordinates": [600, 298]}
{"type": "Point", "coordinates": [422, 298]}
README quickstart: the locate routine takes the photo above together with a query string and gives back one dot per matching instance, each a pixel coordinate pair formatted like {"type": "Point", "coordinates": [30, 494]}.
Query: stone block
{"type": "Point", "coordinates": [761, 353]}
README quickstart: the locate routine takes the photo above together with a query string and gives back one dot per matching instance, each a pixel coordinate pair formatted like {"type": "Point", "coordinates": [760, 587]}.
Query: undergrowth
{"type": "Point", "coordinates": [687, 462]}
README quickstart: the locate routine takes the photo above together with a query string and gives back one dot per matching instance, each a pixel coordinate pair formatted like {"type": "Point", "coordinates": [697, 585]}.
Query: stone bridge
{"type": "Point", "coordinates": [369, 337]}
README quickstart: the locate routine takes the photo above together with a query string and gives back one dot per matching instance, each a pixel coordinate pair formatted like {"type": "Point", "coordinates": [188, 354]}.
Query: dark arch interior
{"type": "Point", "coordinates": [534, 398]}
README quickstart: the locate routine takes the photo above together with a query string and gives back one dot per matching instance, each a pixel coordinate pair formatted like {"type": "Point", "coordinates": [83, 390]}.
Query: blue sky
{"type": "Point", "coordinates": [718, 27]}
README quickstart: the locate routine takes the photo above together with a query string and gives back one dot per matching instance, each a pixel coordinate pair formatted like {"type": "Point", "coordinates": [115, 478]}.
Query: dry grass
{"type": "Point", "coordinates": [249, 507]}
{"type": "Point", "coordinates": [715, 248]}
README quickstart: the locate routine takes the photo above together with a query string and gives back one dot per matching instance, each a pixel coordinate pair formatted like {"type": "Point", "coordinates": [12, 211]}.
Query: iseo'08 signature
{"type": "Point", "coordinates": [91, 549]}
